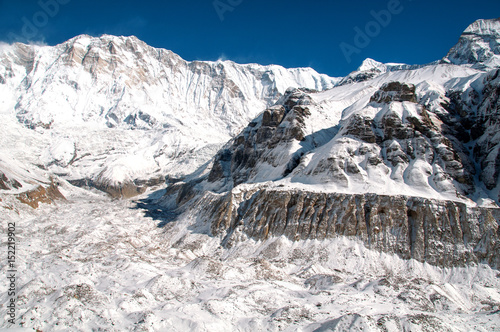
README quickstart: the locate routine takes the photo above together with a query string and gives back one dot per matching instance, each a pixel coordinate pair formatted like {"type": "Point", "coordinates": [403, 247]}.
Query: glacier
{"type": "Point", "coordinates": [152, 193]}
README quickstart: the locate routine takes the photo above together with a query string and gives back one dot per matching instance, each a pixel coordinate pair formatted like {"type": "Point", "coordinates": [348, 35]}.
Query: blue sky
{"type": "Point", "coordinates": [321, 34]}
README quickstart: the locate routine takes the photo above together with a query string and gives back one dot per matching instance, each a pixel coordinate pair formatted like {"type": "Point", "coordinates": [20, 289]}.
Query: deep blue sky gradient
{"type": "Point", "coordinates": [294, 33]}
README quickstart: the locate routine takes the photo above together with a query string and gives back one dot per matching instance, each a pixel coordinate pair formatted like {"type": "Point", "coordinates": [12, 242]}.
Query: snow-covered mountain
{"type": "Point", "coordinates": [116, 114]}
{"type": "Point", "coordinates": [122, 82]}
{"type": "Point", "coordinates": [423, 130]}
{"type": "Point", "coordinates": [294, 201]}
{"type": "Point", "coordinates": [478, 46]}
{"type": "Point", "coordinates": [400, 158]}
{"type": "Point", "coordinates": [119, 111]}
{"type": "Point", "coordinates": [371, 68]}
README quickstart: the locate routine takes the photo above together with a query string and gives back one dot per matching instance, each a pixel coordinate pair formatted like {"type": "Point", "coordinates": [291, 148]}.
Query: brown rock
{"type": "Point", "coordinates": [442, 233]}
{"type": "Point", "coordinates": [40, 195]}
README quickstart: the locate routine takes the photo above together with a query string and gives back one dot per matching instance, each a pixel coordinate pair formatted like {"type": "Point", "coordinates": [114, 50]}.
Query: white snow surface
{"type": "Point", "coordinates": [370, 64]}
{"type": "Point", "coordinates": [111, 98]}
{"type": "Point", "coordinates": [94, 263]}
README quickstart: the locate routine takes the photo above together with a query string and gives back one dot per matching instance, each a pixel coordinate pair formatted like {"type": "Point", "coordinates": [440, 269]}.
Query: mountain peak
{"type": "Point", "coordinates": [370, 64]}
{"type": "Point", "coordinates": [484, 27]}
{"type": "Point", "coordinates": [478, 46]}
{"type": "Point", "coordinates": [86, 40]}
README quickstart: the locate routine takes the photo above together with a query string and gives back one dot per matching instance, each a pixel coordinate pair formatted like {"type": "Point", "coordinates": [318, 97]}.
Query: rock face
{"type": "Point", "coordinates": [487, 125]}
{"type": "Point", "coordinates": [30, 188]}
{"type": "Point", "coordinates": [7, 183]}
{"type": "Point", "coordinates": [473, 118]}
{"type": "Point", "coordinates": [396, 136]}
{"type": "Point", "coordinates": [257, 144]}
{"type": "Point", "coordinates": [120, 190]}
{"type": "Point", "coordinates": [439, 232]}
{"type": "Point", "coordinates": [398, 139]}
{"type": "Point", "coordinates": [394, 91]}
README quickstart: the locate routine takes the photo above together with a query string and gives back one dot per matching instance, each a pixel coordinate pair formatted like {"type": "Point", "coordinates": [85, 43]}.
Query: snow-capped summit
{"type": "Point", "coordinates": [135, 85]}
{"type": "Point", "coordinates": [370, 64]}
{"type": "Point", "coordinates": [104, 86]}
{"type": "Point", "coordinates": [484, 28]}
{"type": "Point", "coordinates": [370, 68]}
{"type": "Point", "coordinates": [478, 46]}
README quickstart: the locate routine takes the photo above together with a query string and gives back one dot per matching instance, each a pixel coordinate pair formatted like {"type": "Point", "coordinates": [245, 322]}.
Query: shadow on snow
{"type": "Point", "coordinates": [154, 210]}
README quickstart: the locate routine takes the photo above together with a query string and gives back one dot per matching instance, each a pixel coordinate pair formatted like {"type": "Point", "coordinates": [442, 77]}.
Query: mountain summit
{"type": "Point", "coordinates": [109, 102]}
{"type": "Point", "coordinates": [479, 45]}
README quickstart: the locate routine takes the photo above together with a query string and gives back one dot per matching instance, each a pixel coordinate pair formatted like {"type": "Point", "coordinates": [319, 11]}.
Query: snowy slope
{"type": "Point", "coordinates": [116, 270]}
{"type": "Point", "coordinates": [106, 103]}
{"type": "Point", "coordinates": [361, 138]}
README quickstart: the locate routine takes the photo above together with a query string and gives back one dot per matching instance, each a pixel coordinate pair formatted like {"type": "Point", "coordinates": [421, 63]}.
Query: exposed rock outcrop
{"type": "Point", "coordinates": [40, 195]}
{"type": "Point", "coordinates": [125, 190]}
{"type": "Point", "coordinates": [443, 233]}
{"type": "Point", "coordinates": [392, 135]}
{"type": "Point", "coordinates": [473, 118]}
{"type": "Point", "coordinates": [256, 144]}
{"type": "Point", "coordinates": [487, 124]}
{"type": "Point", "coordinates": [120, 190]}
{"type": "Point", "coordinates": [7, 183]}
{"type": "Point", "coordinates": [401, 138]}
{"type": "Point", "coordinates": [395, 91]}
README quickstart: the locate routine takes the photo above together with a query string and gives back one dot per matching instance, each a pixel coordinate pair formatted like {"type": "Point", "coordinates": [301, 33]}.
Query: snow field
{"type": "Point", "coordinates": [95, 263]}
